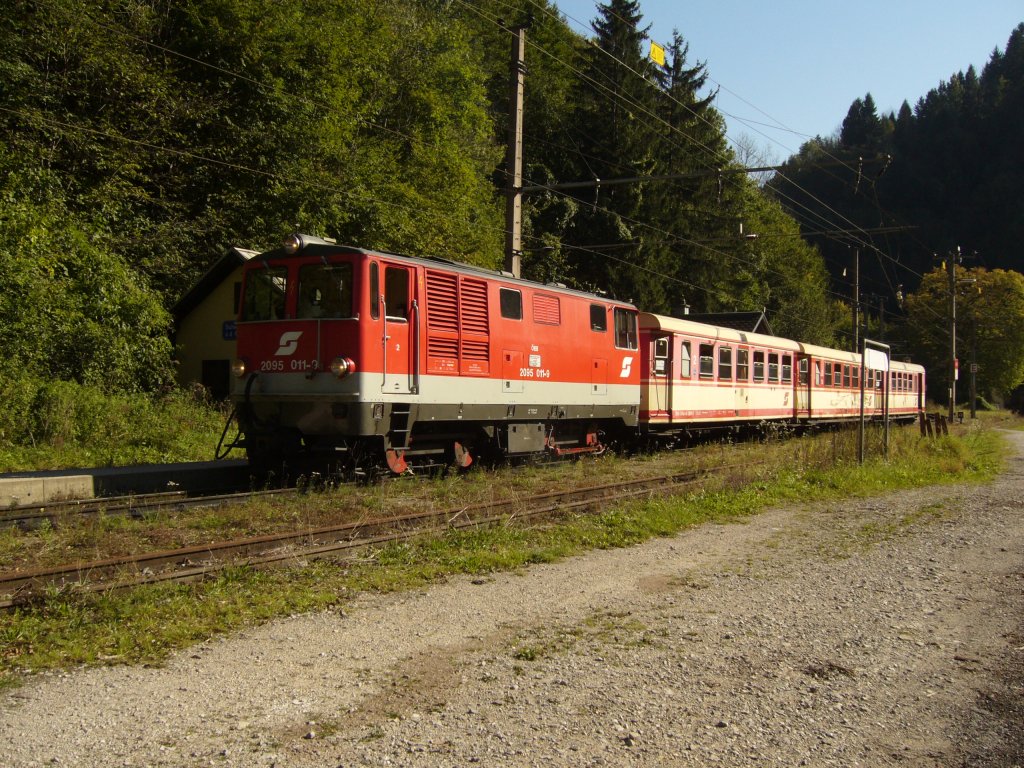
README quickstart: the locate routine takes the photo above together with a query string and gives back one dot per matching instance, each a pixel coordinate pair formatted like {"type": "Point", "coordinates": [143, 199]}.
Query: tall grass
{"type": "Point", "coordinates": [59, 424]}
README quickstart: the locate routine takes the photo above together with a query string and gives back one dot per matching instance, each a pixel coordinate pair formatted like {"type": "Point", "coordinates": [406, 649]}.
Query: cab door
{"type": "Point", "coordinates": [401, 318]}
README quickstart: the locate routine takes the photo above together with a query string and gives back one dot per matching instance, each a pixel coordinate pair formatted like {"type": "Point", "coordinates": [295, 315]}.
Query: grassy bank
{"type": "Point", "coordinates": [56, 425]}
{"type": "Point", "coordinates": [144, 625]}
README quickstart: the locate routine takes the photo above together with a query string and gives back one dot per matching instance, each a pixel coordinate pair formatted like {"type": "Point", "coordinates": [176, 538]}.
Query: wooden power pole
{"type": "Point", "coordinates": [514, 157]}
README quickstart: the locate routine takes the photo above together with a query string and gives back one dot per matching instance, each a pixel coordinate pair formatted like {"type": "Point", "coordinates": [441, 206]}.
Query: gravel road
{"type": "Point", "coordinates": [868, 632]}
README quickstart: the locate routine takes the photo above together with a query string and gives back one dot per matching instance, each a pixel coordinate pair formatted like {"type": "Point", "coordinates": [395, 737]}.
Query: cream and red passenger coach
{"type": "Point", "coordinates": [701, 376]}
{"type": "Point", "coordinates": [353, 351]}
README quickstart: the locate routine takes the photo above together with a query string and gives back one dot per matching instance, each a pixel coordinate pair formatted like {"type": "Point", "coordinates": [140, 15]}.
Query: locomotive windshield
{"type": "Point", "coordinates": [325, 290]}
{"type": "Point", "coordinates": [265, 291]}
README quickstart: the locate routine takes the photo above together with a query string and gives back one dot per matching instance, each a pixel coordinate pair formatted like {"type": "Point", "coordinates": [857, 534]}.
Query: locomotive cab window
{"type": "Point", "coordinates": [661, 356]}
{"type": "Point", "coordinates": [511, 304]}
{"type": "Point", "coordinates": [325, 291]}
{"type": "Point", "coordinates": [625, 329]}
{"type": "Point", "coordinates": [396, 293]}
{"type": "Point", "coordinates": [374, 290]}
{"type": "Point", "coordinates": [598, 318]}
{"type": "Point", "coordinates": [264, 295]}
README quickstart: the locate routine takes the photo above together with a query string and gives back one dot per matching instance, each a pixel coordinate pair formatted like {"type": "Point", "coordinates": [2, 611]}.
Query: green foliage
{"type": "Point", "coordinates": [54, 424]}
{"type": "Point", "coordinates": [990, 326]}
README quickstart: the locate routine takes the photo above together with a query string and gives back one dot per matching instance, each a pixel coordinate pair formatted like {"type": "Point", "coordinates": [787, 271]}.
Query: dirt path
{"type": "Point", "coordinates": [872, 632]}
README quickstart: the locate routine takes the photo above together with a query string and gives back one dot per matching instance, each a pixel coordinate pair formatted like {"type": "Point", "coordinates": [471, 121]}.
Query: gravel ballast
{"type": "Point", "coordinates": [866, 632]}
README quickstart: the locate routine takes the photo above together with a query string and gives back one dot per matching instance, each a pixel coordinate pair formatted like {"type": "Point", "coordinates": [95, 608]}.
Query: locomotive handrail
{"type": "Point", "coordinates": [415, 343]}
{"type": "Point", "coordinates": [384, 343]}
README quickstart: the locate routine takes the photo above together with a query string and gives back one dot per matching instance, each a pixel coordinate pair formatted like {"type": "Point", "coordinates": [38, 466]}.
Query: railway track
{"type": "Point", "coordinates": [20, 587]}
{"type": "Point", "coordinates": [134, 505]}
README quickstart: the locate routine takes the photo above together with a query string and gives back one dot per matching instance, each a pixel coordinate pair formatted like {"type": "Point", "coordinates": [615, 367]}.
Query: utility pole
{"type": "Point", "coordinates": [514, 158]}
{"type": "Point", "coordinates": [954, 257]}
{"type": "Point", "coordinates": [856, 300]}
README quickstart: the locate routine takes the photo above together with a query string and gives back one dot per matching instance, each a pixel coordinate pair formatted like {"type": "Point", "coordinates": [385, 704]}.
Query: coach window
{"type": "Point", "coordinates": [265, 291]}
{"type": "Point", "coordinates": [846, 376]}
{"type": "Point", "coordinates": [817, 373]}
{"type": "Point", "coordinates": [787, 369]}
{"type": "Point", "coordinates": [804, 370]}
{"type": "Point", "coordinates": [625, 329]}
{"type": "Point", "coordinates": [742, 365]}
{"type": "Point", "coordinates": [758, 366]}
{"type": "Point", "coordinates": [325, 290]}
{"type": "Point", "coordinates": [855, 378]}
{"type": "Point", "coordinates": [725, 363]}
{"type": "Point", "coordinates": [396, 293]}
{"type": "Point", "coordinates": [878, 379]}
{"type": "Point", "coordinates": [773, 367]}
{"type": "Point", "coordinates": [707, 360]}
{"type": "Point", "coordinates": [598, 318]}
{"type": "Point", "coordinates": [511, 303]}
{"type": "Point", "coordinates": [837, 375]}
{"type": "Point", "coordinates": [684, 361]}
{"type": "Point", "coordinates": [828, 374]}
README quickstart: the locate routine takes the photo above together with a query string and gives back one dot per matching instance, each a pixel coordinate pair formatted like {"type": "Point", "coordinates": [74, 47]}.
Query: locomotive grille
{"type": "Point", "coordinates": [457, 322]}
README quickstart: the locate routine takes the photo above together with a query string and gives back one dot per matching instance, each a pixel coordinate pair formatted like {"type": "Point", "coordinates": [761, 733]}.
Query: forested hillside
{"type": "Point", "coordinates": [912, 190]}
{"type": "Point", "coordinates": [141, 139]}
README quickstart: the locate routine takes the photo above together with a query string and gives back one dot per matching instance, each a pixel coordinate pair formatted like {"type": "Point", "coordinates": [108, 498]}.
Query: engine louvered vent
{"type": "Point", "coordinates": [546, 309]}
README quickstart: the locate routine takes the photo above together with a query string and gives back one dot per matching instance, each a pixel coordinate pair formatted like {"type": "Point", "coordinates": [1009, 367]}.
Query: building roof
{"type": "Point", "coordinates": [751, 322]}
{"type": "Point", "coordinates": [215, 275]}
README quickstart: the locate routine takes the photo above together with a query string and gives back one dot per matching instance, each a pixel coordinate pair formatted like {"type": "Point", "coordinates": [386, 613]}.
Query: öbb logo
{"type": "Point", "coordinates": [289, 343]}
{"type": "Point", "coordinates": [627, 367]}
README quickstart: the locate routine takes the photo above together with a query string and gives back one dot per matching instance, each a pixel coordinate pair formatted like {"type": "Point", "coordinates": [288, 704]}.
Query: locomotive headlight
{"type": "Point", "coordinates": [292, 244]}
{"type": "Point", "coordinates": [238, 367]}
{"type": "Point", "coordinates": [342, 367]}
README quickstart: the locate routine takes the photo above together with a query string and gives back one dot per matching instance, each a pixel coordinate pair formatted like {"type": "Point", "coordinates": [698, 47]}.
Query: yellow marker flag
{"type": "Point", "coordinates": [657, 54]}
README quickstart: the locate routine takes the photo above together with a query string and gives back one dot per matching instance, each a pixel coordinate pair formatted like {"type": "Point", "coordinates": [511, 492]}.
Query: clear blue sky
{"type": "Point", "coordinates": [801, 63]}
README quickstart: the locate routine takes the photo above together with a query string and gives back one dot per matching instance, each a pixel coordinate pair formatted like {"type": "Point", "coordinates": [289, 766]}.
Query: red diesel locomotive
{"type": "Point", "coordinates": [369, 356]}
{"type": "Point", "coordinates": [366, 354]}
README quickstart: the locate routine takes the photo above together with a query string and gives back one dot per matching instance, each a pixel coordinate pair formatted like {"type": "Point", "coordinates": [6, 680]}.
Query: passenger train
{"type": "Point", "coordinates": [368, 357]}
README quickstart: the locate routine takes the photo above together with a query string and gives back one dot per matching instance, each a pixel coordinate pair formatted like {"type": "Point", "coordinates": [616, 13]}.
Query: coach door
{"type": "Point", "coordinates": [401, 320]}
{"type": "Point", "coordinates": [803, 387]}
{"type": "Point", "coordinates": [661, 378]}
